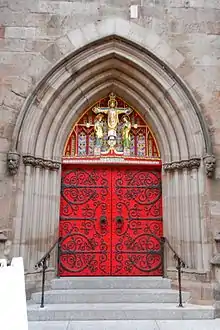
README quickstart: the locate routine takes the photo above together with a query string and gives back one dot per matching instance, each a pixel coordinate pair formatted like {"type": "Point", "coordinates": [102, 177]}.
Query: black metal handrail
{"type": "Point", "coordinates": [180, 264]}
{"type": "Point", "coordinates": [43, 263]}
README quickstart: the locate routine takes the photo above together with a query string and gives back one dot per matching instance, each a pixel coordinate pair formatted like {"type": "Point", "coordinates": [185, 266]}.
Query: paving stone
{"type": "Point", "coordinates": [189, 325]}
{"type": "Point", "coordinates": [113, 325]}
{"type": "Point", "coordinates": [118, 311]}
{"type": "Point", "coordinates": [59, 325]}
{"type": "Point", "coordinates": [128, 325]}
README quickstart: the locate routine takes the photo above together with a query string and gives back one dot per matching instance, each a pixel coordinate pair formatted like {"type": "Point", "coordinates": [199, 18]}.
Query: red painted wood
{"type": "Point", "coordinates": [110, 221]}
{"type": "Point", "coordinates": [86, 243]}
{"type": "Point", "coordinates": [137, 201]}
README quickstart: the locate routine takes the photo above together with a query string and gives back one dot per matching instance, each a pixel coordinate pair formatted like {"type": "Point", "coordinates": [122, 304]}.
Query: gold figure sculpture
{"type": "Point", "coordinates": [126, 138]}
{"type": "Point", "coordinates": [112, 111]}
{"type": "Point", "coordinates": [98, 126]}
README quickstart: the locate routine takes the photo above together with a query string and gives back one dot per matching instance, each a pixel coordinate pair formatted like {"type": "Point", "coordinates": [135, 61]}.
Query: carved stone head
{"type": "Point", "coordinates": [210, 163]}
{"type": "Point", "coordinates": [13, 161]}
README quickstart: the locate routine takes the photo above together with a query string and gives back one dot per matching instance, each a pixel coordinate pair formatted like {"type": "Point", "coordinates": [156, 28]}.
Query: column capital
{"type": "Point", "coordinates": [182, 164]}
{"type": "Point", "coordinates": [49, 164]}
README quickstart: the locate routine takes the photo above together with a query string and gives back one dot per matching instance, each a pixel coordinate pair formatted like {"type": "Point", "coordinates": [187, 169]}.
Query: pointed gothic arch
{"type": "Point", "coordinates": [116, 64]}
{"type": "Point", "coordinates": [135, 73]}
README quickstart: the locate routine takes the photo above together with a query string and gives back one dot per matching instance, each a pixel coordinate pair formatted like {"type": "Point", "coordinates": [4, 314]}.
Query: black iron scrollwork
{"type": "Point", "coordinates": [138, 224]}
{"type": "Point", "coordinates": [119, 220]}
{"type": "Point", "coordinates": [103, 220]}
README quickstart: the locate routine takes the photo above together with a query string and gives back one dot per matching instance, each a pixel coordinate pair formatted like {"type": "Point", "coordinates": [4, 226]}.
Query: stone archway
{"type": "Point", "coordinates": [125, 64]}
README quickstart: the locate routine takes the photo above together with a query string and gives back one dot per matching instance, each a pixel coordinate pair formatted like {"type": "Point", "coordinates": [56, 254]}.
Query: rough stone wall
{"type": "Point", "coordinates": [28, 30]}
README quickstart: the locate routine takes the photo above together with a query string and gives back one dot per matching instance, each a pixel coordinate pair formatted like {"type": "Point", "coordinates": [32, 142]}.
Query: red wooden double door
{"type": "Point", "coordinates": [110, 221]}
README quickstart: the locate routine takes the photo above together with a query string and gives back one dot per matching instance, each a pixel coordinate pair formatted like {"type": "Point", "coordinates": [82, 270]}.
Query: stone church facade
{"type": "Point", "coordinates": [57, 59]}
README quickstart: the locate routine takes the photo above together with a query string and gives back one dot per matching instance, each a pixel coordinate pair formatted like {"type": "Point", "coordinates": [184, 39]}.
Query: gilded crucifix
{"type": "Point", "coordinates": [112, 111]}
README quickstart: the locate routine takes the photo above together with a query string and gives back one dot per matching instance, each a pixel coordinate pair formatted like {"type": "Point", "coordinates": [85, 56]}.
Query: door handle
{"type": "Point", "coordinates": [103, 220]}
{"type": "Point", "coordinates": [119, 220]}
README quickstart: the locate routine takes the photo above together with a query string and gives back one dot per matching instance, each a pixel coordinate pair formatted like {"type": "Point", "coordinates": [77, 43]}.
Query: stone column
{"type": "Point", "coordinates": [26, 215]}
{"type": "Point", "coordinates": [168, 211]}
{"type": "Point", "coordinates": [182, 219]}
{"type": "Point", "coordinates": [187, 248]}
{"type": "Point", "coordinates": [195, 221]}
{"type": "Point", "coordinates": [40, 213]}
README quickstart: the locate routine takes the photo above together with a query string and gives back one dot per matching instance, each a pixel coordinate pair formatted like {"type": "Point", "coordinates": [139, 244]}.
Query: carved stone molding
{"type": "Point", "coordinates": [210, 164]}
{"type": "Point", "coordinates": [41, 163]}
{"type": "Point", "coordinates": [13, 161]}
{"type": "Point", "coordinates": [182, 164]}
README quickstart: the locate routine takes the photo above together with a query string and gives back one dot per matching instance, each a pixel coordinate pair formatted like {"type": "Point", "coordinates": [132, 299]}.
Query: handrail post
{"type": "Point", "coordinates": [44, 264]}
{"type": "Point", "coordinates": [163, 240]}
{"type": "Point", "coordinates": [179, 265]}
{"type": "Point", "coordinates": [58, 259]}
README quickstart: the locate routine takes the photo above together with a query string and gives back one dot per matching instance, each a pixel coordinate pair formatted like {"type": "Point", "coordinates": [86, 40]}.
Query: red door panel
{"type": "Point", "coordinates": [85, 222]}
{"type": "Point", "coordinates": [136, 222]}
{"type": "Point", "coordinates": [110, 222]}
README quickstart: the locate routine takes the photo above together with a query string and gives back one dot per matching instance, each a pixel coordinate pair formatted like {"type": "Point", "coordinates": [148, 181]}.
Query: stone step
{"type": "Point", "coordinates": [110, 296]}
{"type": "Point", "coordinates": [128, 325]}
{"type": "Point", "coordinates": [118, 311]}
{"type": "Point", "coordinates": [111, 283]}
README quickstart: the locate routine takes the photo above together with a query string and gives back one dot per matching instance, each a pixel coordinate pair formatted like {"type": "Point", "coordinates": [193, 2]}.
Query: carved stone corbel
{"type": "Point", "coordinates": [210, 164]}
{"type": "Point", "coordinates": [13, 161]}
